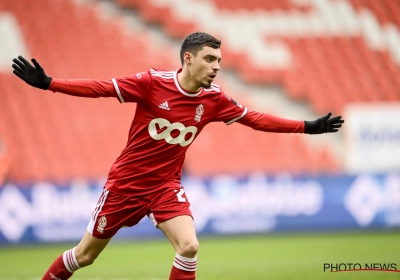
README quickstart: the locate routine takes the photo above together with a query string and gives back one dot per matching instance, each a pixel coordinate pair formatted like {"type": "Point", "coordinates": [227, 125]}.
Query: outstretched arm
{"type": "Point", "coordinates": [36, 77]}
{"type": "Point", "coordinates": [84, 87]}
{"type": "Point", "coordinates": [270, 123]}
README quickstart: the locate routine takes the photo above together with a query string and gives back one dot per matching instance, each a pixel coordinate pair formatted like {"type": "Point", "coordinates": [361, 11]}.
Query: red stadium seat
{"type": "Point", "coordinates": [386, 11]}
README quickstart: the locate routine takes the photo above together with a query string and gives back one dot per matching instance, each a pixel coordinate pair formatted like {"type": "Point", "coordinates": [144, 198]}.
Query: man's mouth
{"type": "Point", "coordinates": [212, 76]}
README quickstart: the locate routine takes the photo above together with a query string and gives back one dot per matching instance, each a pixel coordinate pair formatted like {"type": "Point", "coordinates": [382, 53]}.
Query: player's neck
{"type": "Point", "coordinates": [186, 81]}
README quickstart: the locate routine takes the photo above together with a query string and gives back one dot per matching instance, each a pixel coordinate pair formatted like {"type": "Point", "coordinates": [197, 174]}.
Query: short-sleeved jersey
{"type": "Point", "coordinates": [167, 121]}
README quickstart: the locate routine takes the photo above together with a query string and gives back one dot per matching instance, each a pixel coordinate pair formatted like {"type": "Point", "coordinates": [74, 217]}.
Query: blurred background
{"type": "Point", "coordinates": [297, 59]}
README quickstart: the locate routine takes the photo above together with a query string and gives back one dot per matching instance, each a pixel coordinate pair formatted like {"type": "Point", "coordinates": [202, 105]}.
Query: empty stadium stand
{"type": "Point", "coordinates": [327, 70]}
{"type": "Point", "coordinates": [55, 137]}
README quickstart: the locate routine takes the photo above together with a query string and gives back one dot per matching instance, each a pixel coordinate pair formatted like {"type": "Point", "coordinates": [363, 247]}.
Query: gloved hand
{"type": "Point", "coordinates": [323, 125]}
{"type": "Point", "coordinates": [31, 75]}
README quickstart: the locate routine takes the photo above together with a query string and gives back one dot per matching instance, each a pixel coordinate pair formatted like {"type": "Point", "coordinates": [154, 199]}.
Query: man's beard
{"type": "Point", "coordinates": [206, 85]}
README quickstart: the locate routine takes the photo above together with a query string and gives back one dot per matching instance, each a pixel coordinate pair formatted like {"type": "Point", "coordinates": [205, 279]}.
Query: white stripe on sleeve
{"type": "Point", "coordinates": [235, 119]}
{"type": "Point", "coordinates": [121, 99]}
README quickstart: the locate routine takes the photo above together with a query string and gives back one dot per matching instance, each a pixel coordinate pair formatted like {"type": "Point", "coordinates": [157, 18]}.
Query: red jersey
{"type": "Point", "coordinates": [167, 120]}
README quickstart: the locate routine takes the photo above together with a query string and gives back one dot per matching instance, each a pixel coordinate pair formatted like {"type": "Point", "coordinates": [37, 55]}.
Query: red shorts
{"type": "Point", "coordinates": [114, 211]}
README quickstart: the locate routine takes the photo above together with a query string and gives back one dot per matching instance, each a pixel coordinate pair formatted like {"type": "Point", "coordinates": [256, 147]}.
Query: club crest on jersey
{"type": "Point", "coordinates": [199, 112]}
{"type": "Point", "coordinates": [102, 224]}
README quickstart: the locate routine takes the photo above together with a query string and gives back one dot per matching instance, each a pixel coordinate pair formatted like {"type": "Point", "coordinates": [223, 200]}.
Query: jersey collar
{"type": "Point", "coordinates": [183, 91]}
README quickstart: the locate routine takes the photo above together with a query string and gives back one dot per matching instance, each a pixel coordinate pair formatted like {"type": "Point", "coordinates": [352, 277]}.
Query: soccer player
{"type": "Point", "coordinates": [172, 109]}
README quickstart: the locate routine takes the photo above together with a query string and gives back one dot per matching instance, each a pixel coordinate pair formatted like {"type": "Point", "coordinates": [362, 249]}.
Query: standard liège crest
{"type": "Point", "coordinates": [199, 112]}
{"type": "Point", "coordinates": [102, 224]}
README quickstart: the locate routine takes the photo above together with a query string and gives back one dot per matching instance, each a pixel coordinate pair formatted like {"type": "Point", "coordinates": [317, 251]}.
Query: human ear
{"type": "Point", "coordinates": [187, 58]}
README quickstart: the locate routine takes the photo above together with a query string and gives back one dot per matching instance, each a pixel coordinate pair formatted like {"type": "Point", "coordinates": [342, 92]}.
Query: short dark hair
{"type": "Point", "coordinates": [196, 41]}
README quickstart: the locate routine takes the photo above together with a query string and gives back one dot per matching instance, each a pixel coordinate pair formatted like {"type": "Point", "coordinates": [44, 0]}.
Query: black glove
{"type": "Point", "coordinates": [31, 75]}
{"type": "Point", "coordinates": [323, 125]}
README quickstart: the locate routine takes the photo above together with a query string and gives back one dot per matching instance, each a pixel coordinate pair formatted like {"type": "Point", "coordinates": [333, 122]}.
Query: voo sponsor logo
{"type": "Point", "coordinates": [181, 139]}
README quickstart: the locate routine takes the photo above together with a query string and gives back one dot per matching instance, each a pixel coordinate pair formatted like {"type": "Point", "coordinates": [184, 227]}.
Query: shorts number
{"type": "Point", "coordinates": [180, 195]}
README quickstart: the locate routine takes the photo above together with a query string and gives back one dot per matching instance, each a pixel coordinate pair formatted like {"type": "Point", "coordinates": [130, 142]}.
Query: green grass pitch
{"type": "Point", "coordinates": [284, 256]}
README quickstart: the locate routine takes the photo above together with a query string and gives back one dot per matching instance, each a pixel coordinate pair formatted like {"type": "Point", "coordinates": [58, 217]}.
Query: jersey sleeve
{"type": "Point", "coordinates": [228, 110]}
{"type": "Point", "coordinates": [133, 88]}
{"type": "Point", "coordinates": [83, 87]}
{"type": "Point", "coordinates": [270, 123]}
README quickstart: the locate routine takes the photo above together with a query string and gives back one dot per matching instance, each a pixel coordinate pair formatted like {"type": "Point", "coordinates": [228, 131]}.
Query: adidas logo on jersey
{"type": "Point", "coordinates": [164, 106]}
